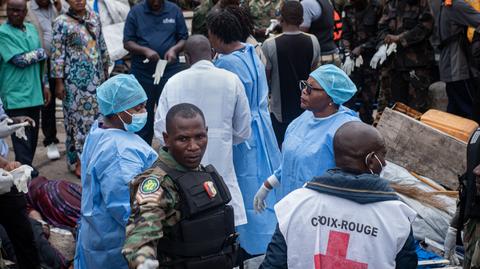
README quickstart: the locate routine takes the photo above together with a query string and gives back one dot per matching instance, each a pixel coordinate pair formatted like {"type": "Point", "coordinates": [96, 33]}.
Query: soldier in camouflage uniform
{"type": "Point", "coordinates": [154, 197]}
{"type": "Point", "coordinates": [359, 39]}
{"type": "Point", "coordinates": [262, 12]}
{"type": "Point", "coordinates": [406, 75]}
{"type": "Point", "coordinates": [199, 21]}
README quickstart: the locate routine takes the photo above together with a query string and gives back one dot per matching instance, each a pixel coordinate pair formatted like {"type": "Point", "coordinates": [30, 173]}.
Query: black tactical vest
{"type": "Point", "coordinates": [469, 194]}
{"type": "Point", "coordinates": [323, 27]}
{"type": "Point", "coordinates": [205, 236]}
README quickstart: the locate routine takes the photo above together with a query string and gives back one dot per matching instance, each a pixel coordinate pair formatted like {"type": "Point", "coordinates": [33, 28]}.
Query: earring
{"type": "Point", "coordinates": [330, 104]}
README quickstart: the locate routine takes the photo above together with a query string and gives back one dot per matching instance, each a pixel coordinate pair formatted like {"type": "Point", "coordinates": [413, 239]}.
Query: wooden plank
{"type": "Point", "coordinates": [423, 149]}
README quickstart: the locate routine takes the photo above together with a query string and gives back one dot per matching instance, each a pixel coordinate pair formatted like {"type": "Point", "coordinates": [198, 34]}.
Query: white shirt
{"type": "Point", "coordinates": [325, 231]}
{"type": "Point", "coordinates": [221, 97]}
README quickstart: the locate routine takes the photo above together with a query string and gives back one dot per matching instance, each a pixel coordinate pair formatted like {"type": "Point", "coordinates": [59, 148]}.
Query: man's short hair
{"type": "Point", "coordinates": [292, 12]}
{"type": "Point", "coordinates": [183, 110]}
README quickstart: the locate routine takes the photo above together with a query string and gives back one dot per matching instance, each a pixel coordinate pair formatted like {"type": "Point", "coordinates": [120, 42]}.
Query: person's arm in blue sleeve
{"type": "Point", "coordinates": [181, 27]}
{"type": "Point", "coordinates": [130, 39]}
{"type": "Point", "coordinates": [407, 257]}
{"type": "Point", "coordinates": [114, 186]}
{"type": "Point", "coordinates": [241, 117]}
{"type": "Point", "coordinates": [276, 256]}
{"type": "Point", "coordinates": [181, 34]}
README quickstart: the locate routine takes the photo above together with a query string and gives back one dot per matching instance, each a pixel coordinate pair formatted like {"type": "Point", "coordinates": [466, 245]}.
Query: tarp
{"type": "Point", "coordinates": [431, 222]}
{"type": "Point", "coordinates": [113, 14]}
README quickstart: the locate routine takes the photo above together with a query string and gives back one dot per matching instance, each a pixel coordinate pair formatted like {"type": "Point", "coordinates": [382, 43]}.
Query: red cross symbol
{"type": "Point", "coordinates": [335, 258]}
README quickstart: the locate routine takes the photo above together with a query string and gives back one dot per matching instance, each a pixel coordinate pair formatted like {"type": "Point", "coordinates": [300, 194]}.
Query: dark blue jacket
{"type": "Point", "coordinates": [345, 185]}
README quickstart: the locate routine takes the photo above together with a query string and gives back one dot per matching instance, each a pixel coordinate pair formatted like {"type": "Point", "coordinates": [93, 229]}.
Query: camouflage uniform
{"type": "Point", "coordinates": [199, 21]}
{"type": "Point", "coordinates": [406, 75]}
{"type": "Point", "coordinates": [471, 241]}
{"type": "Point", "coordinates": [262, 12]}
{"type": "Point", "coordinates": [360, 30]}
{"type": "Point", "coordinates": [155, 203]}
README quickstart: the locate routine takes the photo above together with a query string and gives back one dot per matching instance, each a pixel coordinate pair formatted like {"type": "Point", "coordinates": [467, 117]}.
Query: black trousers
{"type": "Point", "coordinates": [464, 98]}
{"type": "Point", "coordinates": [25, 150]}
{"type": "Point", "coordinates": [279, 128]}
{"type": "Point", "coordinates": [14, 219]}
{"type": "Point", "coordinates": [49, 126]}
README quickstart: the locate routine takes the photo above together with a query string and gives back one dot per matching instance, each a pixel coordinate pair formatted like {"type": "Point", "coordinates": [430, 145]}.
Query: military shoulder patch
{"type": "Point", "coordinates": [149, 185]}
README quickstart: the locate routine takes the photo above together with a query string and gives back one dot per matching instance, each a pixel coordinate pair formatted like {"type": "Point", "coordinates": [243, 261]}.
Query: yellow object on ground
{"type": "Point", "coordinates": [453, 125]}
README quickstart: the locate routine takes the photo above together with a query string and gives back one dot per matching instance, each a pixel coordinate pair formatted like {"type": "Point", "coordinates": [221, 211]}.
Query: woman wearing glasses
{"type": "Point", "coordinates": [307, 150]}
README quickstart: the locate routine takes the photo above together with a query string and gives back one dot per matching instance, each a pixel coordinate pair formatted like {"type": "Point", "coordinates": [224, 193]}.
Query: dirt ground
{"type": "Point", "coordinates": [56, 169]}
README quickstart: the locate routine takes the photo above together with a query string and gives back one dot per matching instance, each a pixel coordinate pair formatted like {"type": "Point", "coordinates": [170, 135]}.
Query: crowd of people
{"type": "Point", "coordinates": [268, 157]}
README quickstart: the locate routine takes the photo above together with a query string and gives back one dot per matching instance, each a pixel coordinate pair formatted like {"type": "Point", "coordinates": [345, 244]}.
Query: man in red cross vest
{"type": "Point", "coordinates": [347, 218]}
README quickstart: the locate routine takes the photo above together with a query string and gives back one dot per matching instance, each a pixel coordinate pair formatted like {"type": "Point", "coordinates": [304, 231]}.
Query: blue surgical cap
{"type": "Point", "coordinates": [335, 82]}
{"type": "Point", "coordinates": [119, 93]}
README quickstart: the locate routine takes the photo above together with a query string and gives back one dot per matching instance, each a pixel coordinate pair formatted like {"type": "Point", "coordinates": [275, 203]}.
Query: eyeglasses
{"type": "Point", "coordinates": [303, 84]}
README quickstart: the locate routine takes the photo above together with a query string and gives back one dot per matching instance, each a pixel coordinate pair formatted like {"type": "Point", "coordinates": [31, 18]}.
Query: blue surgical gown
{"type": "Point", "coordinates": [255, 159]}
{"type": "Point", "coordinates": [307, 150]}
{"type": "Point", "coordinates": [111, 158]}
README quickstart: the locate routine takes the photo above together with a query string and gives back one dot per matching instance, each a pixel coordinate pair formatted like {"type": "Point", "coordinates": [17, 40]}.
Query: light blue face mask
{"type": "Point", "coordinates": [138, 122]}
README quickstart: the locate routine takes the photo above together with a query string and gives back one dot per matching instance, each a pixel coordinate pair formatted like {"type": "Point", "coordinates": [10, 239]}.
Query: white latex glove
{"type": "Point", "coordinates": [348, 65]}
{"type": "Point", "coordinates": [358, 61]}
{"type": "Point", "coordinates": [6, 181]}
{"type": "Point", "coordinates": [20, 132]}
{"type": "Point", "coordinates": [21, 177]}
{"type": "Point", "coordinates": [379, 57]}
{"type": "Point", "coordinates": [7, 128]}
{"type": "Point", "coordinates": [273, 24]}
{"type": "Point", "coordinates": [148, 264]}
{"type": "Point", "coordinates": [259, 203]}
{"type": "Point", "coordinates": [161, 64]}
{"type": "Point", "coordinates": [449, 246]}
{"type": "Point", "coordinates": [392, 47]}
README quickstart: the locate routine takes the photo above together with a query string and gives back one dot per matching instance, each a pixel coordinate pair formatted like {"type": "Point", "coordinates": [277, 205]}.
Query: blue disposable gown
{"type": "Point", "coordinates": [255, 159]}
{"type": "Point", "coordinates": [111, 159]}
{"type": "Point", "coordinates": [307, 150]}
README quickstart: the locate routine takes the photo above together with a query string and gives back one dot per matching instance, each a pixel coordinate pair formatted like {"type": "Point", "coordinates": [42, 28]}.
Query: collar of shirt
{"type": "Point", "coordinates": [23, 29]}
{"type": "Point", "coordinates": [203, 64]}
{"type": "Point", "coordinates": [293, 33]}
{"type": "Point", "coordinates": [168, 159]}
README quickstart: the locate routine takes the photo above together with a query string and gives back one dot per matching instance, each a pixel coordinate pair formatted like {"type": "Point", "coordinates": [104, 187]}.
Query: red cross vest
{"type": "Point", "coordinates": [327, 232]}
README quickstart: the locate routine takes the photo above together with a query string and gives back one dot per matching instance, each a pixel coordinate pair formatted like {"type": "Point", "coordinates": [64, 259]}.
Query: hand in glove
{"type": "Point", "coordinates": [21, 177]}
{"type": "Point", "coordinates": [148, 264]}
{"type": "Point", "coordinates": [392, 47]}
{"type": "Point", "coordinates": [161, 64]}
{"type": "Point", "coordinates": [273, 23]}
{"type": "Point", "coordinates": [348, 65]}
{"type": "Point", "coordinates": [6, 181]}
{"type": "Point", "coordinates": [449, 246]}
{"type": "Point", "coordinates": [379, 57]}
{"type": "Point", "coordinates": [259, 203]}
{"type": "Point", "coordinates": [358, 61]}
{"type": "Point", "coordinates": [6, 128]}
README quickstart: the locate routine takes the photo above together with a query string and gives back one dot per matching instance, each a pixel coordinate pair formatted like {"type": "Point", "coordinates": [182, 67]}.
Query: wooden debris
{"type": "Point", "coordinates": [422, 149]}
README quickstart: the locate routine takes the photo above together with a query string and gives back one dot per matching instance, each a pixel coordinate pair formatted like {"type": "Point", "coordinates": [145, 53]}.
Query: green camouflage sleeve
{"type": "Point", "coordinates": [153, 199]}
{"type": "Point", "coordinates": [423, 27]}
